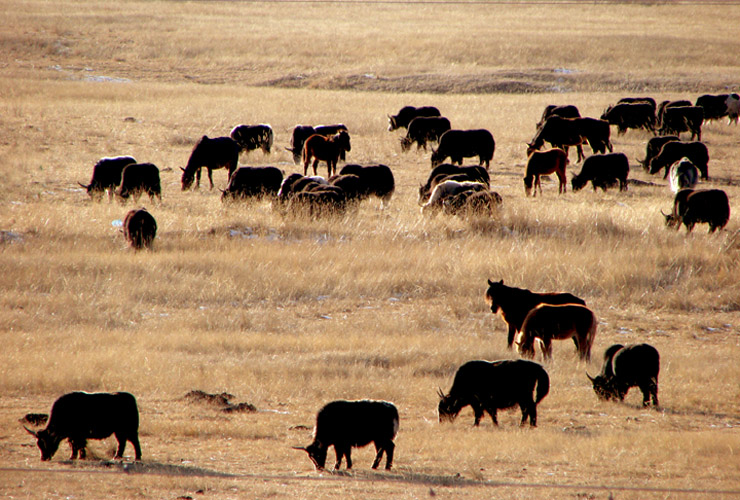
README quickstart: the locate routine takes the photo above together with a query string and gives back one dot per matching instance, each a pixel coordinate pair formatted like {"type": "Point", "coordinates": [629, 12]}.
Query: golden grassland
{"type": "Point", "coordinates": [288, 314]}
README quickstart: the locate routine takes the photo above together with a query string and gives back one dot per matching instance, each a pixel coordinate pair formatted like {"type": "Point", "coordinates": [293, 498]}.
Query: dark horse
{"type": "Point", "coordinates": [556, 322]}
{"type": "Point", "coordinates": [515, 303]}
{"type": "Point", "coordinates": [328, 149]}
{"type": "Point", "coordinates": [213, 153]}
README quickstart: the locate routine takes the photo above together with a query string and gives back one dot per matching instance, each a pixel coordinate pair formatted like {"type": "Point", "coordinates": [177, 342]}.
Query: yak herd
{"type": "Point", "coordinates": [532, 318]}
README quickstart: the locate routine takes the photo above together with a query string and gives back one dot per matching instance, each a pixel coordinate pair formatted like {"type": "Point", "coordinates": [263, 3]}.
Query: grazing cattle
{"type": "Point", "coordinates": [556, 322]}
{"type": "Point", "coordinates": [714, 106]}
{"type": "Point", "coordinates": [733, 108]}
{"type": "Point", "coordinates": [352, 185]}
{"type": "Point", "coordinates": [634, 100]}
{"type": "Point", "coordinates": [407, 114]}
{"type": "Point", "coordinates": [251, 137]}
{"type": "Point", "coordinates": [515, 303]}
{"type": "Point", "coordinates": [215, 153]}
{"type": "Point", "coordinates": [634, 365]}
{"type": "Point", "coordinates": [354, 424]}
{"type": "Point", "coordinates": [560, 133]}
{"type": "Point", "coordinates": [671, 152]}
{"type": "Point", "coordinates": [495, 385]}
{"type": "Point", "coordinates": [447, 189]}
{"type": "Point", "coordinates": [139, 228]}
{"type": "Point", "coordinates": [683, 119]}
{"type": "Point", "coordinates": [691, 207]}
{"type": "Point", "coordinates": [317, 200]}
{"type": "Point", "coordinates": [377, 180]}
{"type": "Point", "coordinates": [296, 183]}
{"type": "Point", "coordinates": [654, 145]}
{"type": "Point", "coordinates": [603, 171]}
{"type": "Point", "coordinates": [248, 182]}
{"type": "Point", "coordinates": [597, 133]}
{"type": "Point", "coordinates": [423, 129]}
{"type": "Point", "coordinates": [459, 144]}
{"type": "Point", "coordinates": [544, 163]}
{"type": "Point", "coordinates": [302, 132]}
{"type": "Point", "coordinates": [79, 416]}
{"type": "Point", "coordinates": [327, 149]}
{"type": "Point", "coordinates": [138, 178]}
{"type": "Point", "coordinates": [447, 171]}
{"type": "Point", "coordinates": [566, 111]}
{"type": "Point", "coordinates": [107, 176]}
{"type": "Point", "coordinates": [631, 116]}
{"type": "Point", "coordinates": [683, 174]}
{"type": "Point", "coordinates": [472, 203]}
{"type": "Point", "coordinates": [670, 104]}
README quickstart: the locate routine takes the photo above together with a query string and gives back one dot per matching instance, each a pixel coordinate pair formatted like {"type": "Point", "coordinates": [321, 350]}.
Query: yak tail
{"type": "Point", "coordinates": [543, 385]}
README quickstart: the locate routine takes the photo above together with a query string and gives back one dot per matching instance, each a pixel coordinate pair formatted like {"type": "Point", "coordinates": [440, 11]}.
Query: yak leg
{"type": "Point", "coordinates": [388, 447]}
{"type": "Point", "coordinates": [339, 451]}
{"type": "Point", "coordinates": [547, 349]}
{"type": "Point", "coordinates": [121, 445]}
{"type": "Point", "coordinates": [137, 447]}
{"type": "Point", "coordinates": [579, 148]}
{"type": "Point", "coordinates": [478, 411]}
{"type": "Point", "coordinates": [492, 411]}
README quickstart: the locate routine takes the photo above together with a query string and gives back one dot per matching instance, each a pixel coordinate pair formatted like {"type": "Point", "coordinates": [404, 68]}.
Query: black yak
{"type": "Point", "coordinates": [691, 207]}
{"type": "Point", "coordinates": [603, 171]}
{"type": "Point", "coordinates": [635, 365]}
{"type": "Point", "coordinates": [107, 176]}
{"type": "Point", "coordinates": [139, 178]}
{"type": "Point", "coordinates": [459, 144]}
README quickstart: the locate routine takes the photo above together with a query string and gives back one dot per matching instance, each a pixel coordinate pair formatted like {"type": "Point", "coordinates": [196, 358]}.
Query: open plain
{"type": "Point", "coordinates": [288, 314]}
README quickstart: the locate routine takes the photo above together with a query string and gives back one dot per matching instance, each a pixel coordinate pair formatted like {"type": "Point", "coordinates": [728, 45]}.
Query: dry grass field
{"type": "Point", "coordinates": [288, 314]}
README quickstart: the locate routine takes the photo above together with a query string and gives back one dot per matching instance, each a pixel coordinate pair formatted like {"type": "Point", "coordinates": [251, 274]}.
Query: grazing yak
{"type": "Point", "coordinates": [353, 187]}
{"type": "Point", "coordinates": [566, 111]}
{"type": "Point", "coordinates": [691, 207]}
{"type": "Point", "coordinates": [376, 180]}
{"type": "Point", "coordinates": [317, 200]}
{"type": "Point", "coordinates": [597, 133]}
{"type": "Point", "coordinates": [513, 304]}
{"type": "Point", "coordinates": [107, 176]}
{"type": "Point", "coordinates": [211, 153]}
{"type": "Point", "coordinates": [631, 116]}
{"type": "Point", "coordinates": [327, 149]}
{"type": "Point", "coordinates": [682, 119]}
{"type": "Point", "coordinates": [669, 104]}
{"type": "Point", "coordinates": [544, 163]}
{"type": "Point", "coordinates": [634, 365]}
{"type": "Point", "coordinates": [489, 386]}
{"type": "Point", "coordinates": [302, 132]}
{"type": "Point", "coordinates": [560, 133]}
{"type": "Point", "coordinates": [603, 171]}
{"type": "Point", "coordinates": [138, 178]}
{"type": "Point", "coordinates": [448, 189]}
{"type": "Point", "coordinates": [714, 106]}
{"type": "Point", "coordinates": [251, 137]}
{"type": "Point", "coordinates": [447, 171]}
{"type": "Point", "coordinates": [654, 145]}
{"type": "Point", "coordinates": [472, 203]}
{"type": "Point", "coordinates": [248, 182]}
{"type": "Point", "coordinates": [139, 228]}
{"type": "Point", "coordinates": [295, 183]}
{"type": "Point", "coordinates": [407, 114]}
{"type": "Point", "coordinates": [682, 174]}
{"type": "Point", "coordinates": [423, 129]}
{"type": "Point", "coordinates": [354, 424]}
{"type": "Point", "coordinates": [645, 100]}
{"type": "Point", "coordinates": [671, 152]}
{"type": "Point", "coordinates": [79, 416]}
{"type": "Point", "coordinates": [458, 144]}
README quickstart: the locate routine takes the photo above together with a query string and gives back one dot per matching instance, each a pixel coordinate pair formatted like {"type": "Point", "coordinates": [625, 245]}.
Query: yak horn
{"type": "Point", "coordinates": [81, 184]}
{"type": "Point", "coordinates": [299, 448]}
{"type": "Point", "coordinates": [440, 393]}
{"type": "Point", "coordinates": [34, 434]}
{"type": "Point", "coordinates": [590, 377]}
{"type": "Point", "coordinates": [182, 169]}
{"type": "Point", "coordinates": [664, 215]}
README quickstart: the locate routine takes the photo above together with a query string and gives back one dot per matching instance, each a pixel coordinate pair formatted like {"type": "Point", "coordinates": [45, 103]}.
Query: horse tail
{"type": "Point", "coordinates": [589, 340]}
{"type": "Point", "coordinates": [543, 385]}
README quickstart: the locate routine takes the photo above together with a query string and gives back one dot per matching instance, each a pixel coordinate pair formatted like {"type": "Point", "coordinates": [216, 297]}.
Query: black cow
{"type": "Point", "coordinates": [354, 424]}
{"type": "Point", "coordinates": [691, 207]}
{"type": "Point", "coordinates": [597, 133]}
{"type": "Point", "coordinates": [631, 115]}
{"type": "Point", "coordinates": [603, 171]}
{"type": "Point", "coordinates": [211, 153]}
{"type": "Point", "coordinates": [566, 111]}
{"type": "Point", "coordinates": [79, 416]}
{"type": "Point", "coordinates": [683, 119]}
{"type": "Point", "coordinates": [670, 104]}
{"type": "Point", "coordinates": [714, 106]}
{"type": "Point", "coordinates": [107, 176]}
{"type": "Point", "coordinates": [423, 129]}
{"type": "Point", "coordinates": [654, 146]}
{"type": "Point", "coordinates": [248, 182]}
{"type": "Point", "coordinates": [495, 385]}
{"type": "Point", "coordinates": [352, 186]}
{"type": "Point", "coordinates": [138, 178]}
{"type": "Point", "coordinates": [377, 180]}
{"type": "Point", "coordinates": [251, 137]}
{"type": "Point", "coordinates": [671, 152]}
{"type": "Point", "coordinates": [645, 100]}
{"type": "Point", "coordinates": [560, 133]}
{"type": "Point", "coordinates": [634, 365]}
{"type": "Point", "coordinates": [447, 171]}
{"type": "Point", "coordinates": [302, 132]}
{"type": "Point", "coordinates": [459, 144]}
{"type": "Point", "coordinates": [408, 113]}
{"type": "Point", "coordinates": [316, 200]}
{"type": "Point", "coordinates": [139, 228]}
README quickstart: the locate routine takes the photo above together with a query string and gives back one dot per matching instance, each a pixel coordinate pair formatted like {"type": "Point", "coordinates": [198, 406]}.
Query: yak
{"type": "Point", "coordinates": [635, 365]}
{"type": "Point", "coordinates": [423, 129]}
{"type": "Point", "coordinates": [139, 228]}
{"type": "Point", "coordinates": [248, 182]}
{"type": "Point", "coordinates": [407, 114]}
{"type": "Point", "coordinates": [139, 178]}
{"type": "Point", "coordinates": [211, 153]}
{"type": "Point", "coordinates": [691, 207]}
{"type": "Point", "coordinates": [458, 144]}
{"type": "Point", "coordinates": [107, 176]}
{"type": "Point", "coordinates": [603, 171]}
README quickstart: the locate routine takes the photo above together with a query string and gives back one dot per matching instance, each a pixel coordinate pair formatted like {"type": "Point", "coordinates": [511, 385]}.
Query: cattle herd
{"type": "Point", "coordinates": [455, 189]}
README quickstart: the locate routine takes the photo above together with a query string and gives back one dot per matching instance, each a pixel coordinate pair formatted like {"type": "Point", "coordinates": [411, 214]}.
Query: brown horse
{"type": "Point", "coordinates": [328, 149]}
{"type": "Point", "coordinates": [547, 323]}
{"type": "Point", "coordinates": [544, 163]}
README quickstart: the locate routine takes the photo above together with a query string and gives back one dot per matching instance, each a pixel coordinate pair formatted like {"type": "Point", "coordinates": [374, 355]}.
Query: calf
{"type": "Point", "coordinates": [543, 163]}
{"type": "Point", "coordinates": [139, 178]}
{"type": "Point", "coordinates": [79, 416]}
{"type": "Point", "coordinates": [683, 119]}
{"type": "Point", "coordinates": [459, 144]}
{"type": "Point", "coordinates": [497, 385]}
{"type": "Point", "coordinates": [683, 174]}
{"type": "Point", "coordinates": [407, 114]}
{"type": "Point", "coordinates": [691, 207]}
{"type": "Point", "coordinates": [354, 424]}
{"type": "Point", "coordinates": [423, 129]}
{"type": "Point", "coordinates": [603, 171]}
{"type": "Point", "coordinates": [635, 365]}
{"type": "Point", "coordinates": [327, 149]}
{"type": "Point", "coordinates": [107, 176]}
{"type": "Point", "coordinates": [672, 152]}
{"type": "Point", "coordinates": [247, 182]}
{"type": "Point", "coordinates": [139, 228]}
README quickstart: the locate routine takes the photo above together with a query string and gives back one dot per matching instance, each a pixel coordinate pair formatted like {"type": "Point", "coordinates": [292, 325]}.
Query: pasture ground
{"type": "Point", "coordinates": [288, 314]}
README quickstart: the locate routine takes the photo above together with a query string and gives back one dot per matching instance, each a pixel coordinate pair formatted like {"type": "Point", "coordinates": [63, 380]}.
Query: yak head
{"type": "Point", "coordinates": [448, 407]}
{"type": "Point", "coordinates": [436, 157]}
{"type": "Point", "coordinates": [47, 442]}
{"type": "Point", "coordinates": [603, 387]}
{"type": "Point", "coordinates": [577, 182]}
{"type": "Point", "coordinates": [316, 452]}
{"type": "Point", "coordinates": [671, 220]}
